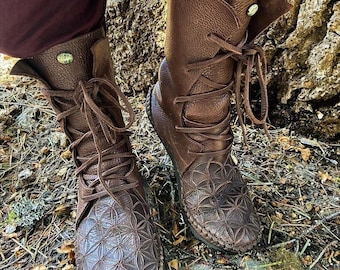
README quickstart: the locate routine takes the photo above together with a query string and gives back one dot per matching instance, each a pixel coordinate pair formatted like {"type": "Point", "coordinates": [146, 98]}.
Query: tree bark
{"type": "Point", "coordinates": [302, 49]}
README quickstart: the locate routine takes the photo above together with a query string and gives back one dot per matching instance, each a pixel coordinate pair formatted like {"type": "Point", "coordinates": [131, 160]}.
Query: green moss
{"type": "Point", "coordinates": [286, 260]}
{"type": "Point", "coordinates": [11, 218]}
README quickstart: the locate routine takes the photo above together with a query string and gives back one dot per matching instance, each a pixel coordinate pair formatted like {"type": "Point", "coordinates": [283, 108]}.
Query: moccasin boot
{"type": "Point", "coordinates": [209, 55]}
{"type": "Point", "coordinates": [114, 227]}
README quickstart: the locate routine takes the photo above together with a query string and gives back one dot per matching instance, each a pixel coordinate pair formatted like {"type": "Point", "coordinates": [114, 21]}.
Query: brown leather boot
{"type": "Point", "coordinates": [206, 50]}
{"type": "Point", "coordinates": [114, 228]}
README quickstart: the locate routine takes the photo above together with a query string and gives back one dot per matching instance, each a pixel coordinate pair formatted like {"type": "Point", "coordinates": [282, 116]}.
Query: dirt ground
{"type": "Point", "coordinates": [294, 181]}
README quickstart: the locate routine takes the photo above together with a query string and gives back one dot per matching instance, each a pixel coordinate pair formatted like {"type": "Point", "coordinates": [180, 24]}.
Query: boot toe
{"type": "Point", "coordinates": [220, 210]}
{"type": "Point", "coordinates": [111, 237]}
{"type": "Point", "coordinates": [224, 231]}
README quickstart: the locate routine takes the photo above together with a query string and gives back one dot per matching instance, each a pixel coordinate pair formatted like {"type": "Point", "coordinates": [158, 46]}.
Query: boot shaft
{"type": "Point", "coordinates": [79, 84]}
{"type": "Point", "coordinates": [62, 66]}
{"type": "Point", "coordinates": [190, 23]}
{"type": "Point", "coordinates": [198, 65]}
{"type": "Point", "coordinates": [206, 49]}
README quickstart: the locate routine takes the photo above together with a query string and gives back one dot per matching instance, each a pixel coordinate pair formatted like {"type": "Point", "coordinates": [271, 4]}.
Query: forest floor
{"type": "Point", "coordinates": [294, 181]}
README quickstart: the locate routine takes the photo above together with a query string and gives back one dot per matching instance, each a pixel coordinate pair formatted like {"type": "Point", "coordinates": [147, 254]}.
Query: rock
{"type": "Point", "coordinates": [303, 52]}
{"type": "Point", "coordinates": [302, 49]}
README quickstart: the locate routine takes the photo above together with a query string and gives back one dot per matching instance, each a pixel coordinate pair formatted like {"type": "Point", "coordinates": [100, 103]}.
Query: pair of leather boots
{"type": "Point", "coordinates": [209, 52]}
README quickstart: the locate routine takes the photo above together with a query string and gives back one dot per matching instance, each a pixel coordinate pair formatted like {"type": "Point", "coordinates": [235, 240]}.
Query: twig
{"type": "Point", "coordinates": [12, 262]}
{"type": "Point", "coordinates": [2, 254]}
{"type": "Point", "coordinates": [268, 265]}
{"type": "Point", "coordinates": [320, 222]}
{"type": "Point", "coordinates": [23, 247]}
{"type": "Point", "coordinates": [308, 231]}
{"type": "Point", "coordinates": [270, 232]}
{"type": "Point", "coordinates": [321, 254]}
{"type": "Point", "coordinates": [307, 244]}
{"type": "Point", "coordinates": [283, 244]}
{"type": "Point", "coordinates": [194, 261]}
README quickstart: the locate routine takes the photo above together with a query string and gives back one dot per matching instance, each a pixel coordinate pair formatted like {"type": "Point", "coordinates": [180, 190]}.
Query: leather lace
{"type": "Point", "coordinates": [85, 97]}
{"type": "Point", "coordinates": [247, 57]}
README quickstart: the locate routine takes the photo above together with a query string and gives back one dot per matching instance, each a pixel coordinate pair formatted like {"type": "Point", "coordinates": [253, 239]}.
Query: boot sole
{"type": "Point", "coordinates": [148, 105]}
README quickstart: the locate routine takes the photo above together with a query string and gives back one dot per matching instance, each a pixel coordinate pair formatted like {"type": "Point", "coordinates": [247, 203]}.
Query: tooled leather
{"type": "Point", "coordinates": [127, 233]}
{"type": "Point", "coordinates": [217, 202]}
{"type": "Point", "coordinates": [214, 196]}
{"type": "Point", "coordinates": [114, 227]}
{"type": "Point", "coordinates": [189, 108]}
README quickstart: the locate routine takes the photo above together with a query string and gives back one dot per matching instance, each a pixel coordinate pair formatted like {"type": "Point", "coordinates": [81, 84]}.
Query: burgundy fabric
{"type": "Point", "coordinates": [32, 26]}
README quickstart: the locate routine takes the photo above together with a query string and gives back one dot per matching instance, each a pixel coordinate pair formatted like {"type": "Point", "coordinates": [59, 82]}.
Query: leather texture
{"type": "Point", "coordinates": [114, 226]}
{"type": "Point", "coordinates": [208, 57]}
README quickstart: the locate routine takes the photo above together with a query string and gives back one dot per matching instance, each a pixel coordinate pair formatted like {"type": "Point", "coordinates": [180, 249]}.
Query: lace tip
{"type": "Point", "coordinates": [244, 135]}
{"type": "Point", "coordinates": [267, 132]}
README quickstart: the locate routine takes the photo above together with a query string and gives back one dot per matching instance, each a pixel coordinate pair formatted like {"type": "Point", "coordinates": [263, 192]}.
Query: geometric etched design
{"type": "Point", "coordinates": [112, 237]}
{"type": "Point", "coordinates": [218, 206]}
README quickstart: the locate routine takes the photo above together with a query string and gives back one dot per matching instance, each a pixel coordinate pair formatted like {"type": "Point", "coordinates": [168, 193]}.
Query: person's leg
{"type": "Point", "coordinates": [114, 227]}
{"type": "Point", "coordinates": [30, 27]}
{"type": "Point", "coordinates": [206, 50]}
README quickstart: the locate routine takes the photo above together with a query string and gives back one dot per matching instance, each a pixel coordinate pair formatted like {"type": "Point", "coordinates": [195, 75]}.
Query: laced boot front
{"type": "Point", "coordinates": [207, 55]}
{"type": "Point", "coordinates": [114, 227]}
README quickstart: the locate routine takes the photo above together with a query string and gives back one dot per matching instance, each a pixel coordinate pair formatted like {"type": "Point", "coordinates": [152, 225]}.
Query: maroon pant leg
{"type": "Point", "coordinates": [28, 27]}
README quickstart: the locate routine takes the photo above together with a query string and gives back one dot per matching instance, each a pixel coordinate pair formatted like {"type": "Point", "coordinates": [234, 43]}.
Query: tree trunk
{"type": "Point", "coordinates": [302, 49]}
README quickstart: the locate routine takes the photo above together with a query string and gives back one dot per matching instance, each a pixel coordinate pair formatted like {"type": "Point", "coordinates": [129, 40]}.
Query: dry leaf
{"type": "Point", "coordinates": [66, 154]}
{"type": "Point", "coordinates": [294, 215]}
{"type": "Point", "coordinates": [141, 107]}
{"type": "Point", "coordinates": [73, 214]}
{"type": "Point", "coordinates": [43, 161]}
{"type": "Point", "coordinates": [150, 157]}
{"type": "Point", "coordinates": [62, 210]}
{"type": "Point", "coordinates": [222, 260]}
{"type": "Point", "coordinates": [283, 181]}
{"type": "Point", "coordinates": [62, 171]}
{"type": "Point", "coordinates": [324, 176]}
{"type": "Point", "coordinates": [39, 267]}
{"type": "Point", "coordinates": [279, 216]}
{"type": "Point", "coordinates": [10, 235]}
{"type": "Point", "coordinates": [36, 165]}
{"type": "Point", "coordinates": [309, 207]}
{"type": "Point", "coordinates": [305, 153]}
{"type": "Point", "coordinates": [285, 142]}
{"type": "Point", "coordinates": [18, 252]}
{"type": "Point", "coordinates": [173, 264]}
{"type": "Point", "coordinates": [68, 267]}
{"type": "Point", "coordinates": [307, 260]}
{"type": "Point", "coordinates": [175, 229]}
{"type": "Point", "coordinates": [179, 240]}
{"type": "Point", "coordinates": [154, 212]}
{"type": "Point", "coordinates": [44, 150]}
{"type": "Point", "coordinates": [5, 138]}
{"type": "Point", "coordinates": [67, 247]}
{"type": "Point", "coordinates": [63, 262]}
